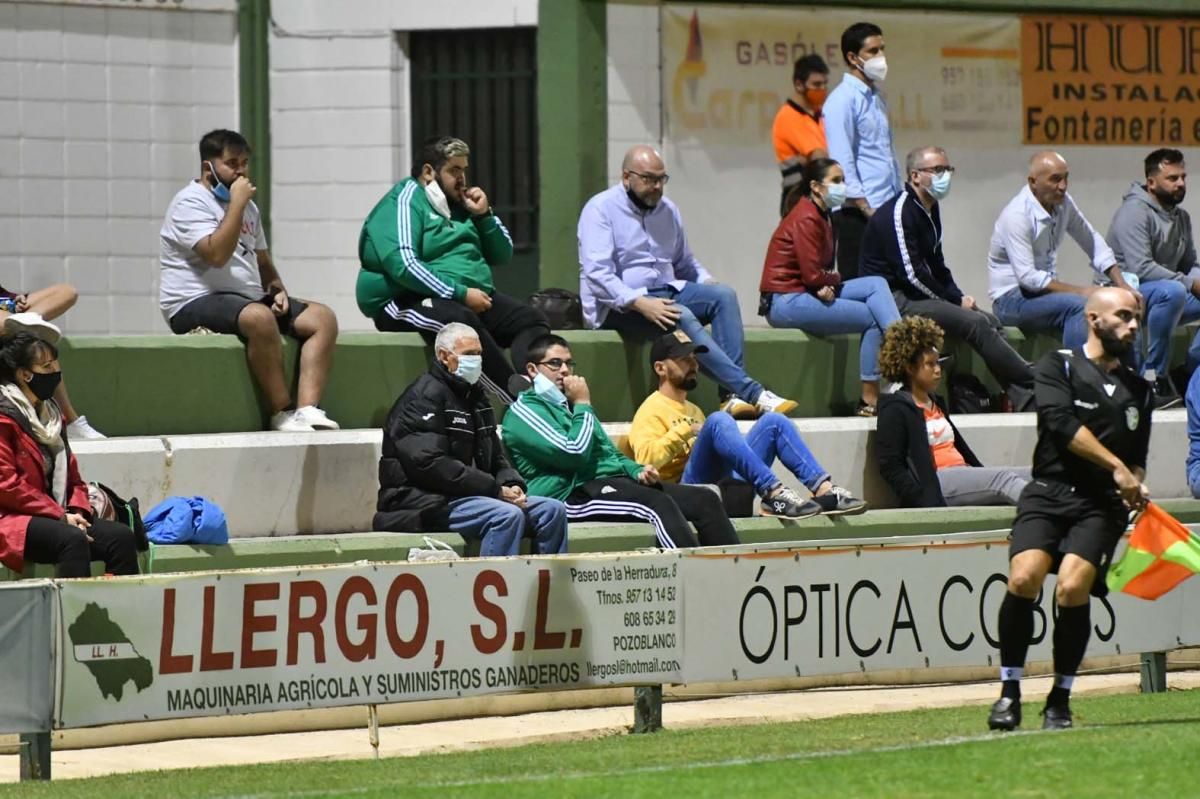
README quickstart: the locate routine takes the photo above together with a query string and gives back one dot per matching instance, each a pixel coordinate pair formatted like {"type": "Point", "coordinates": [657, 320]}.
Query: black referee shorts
{"type": "Point", "coordinates": [1056, 519]}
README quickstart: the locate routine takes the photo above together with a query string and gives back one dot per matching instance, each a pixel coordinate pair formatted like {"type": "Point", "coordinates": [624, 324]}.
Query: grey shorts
{"type": "Point", "coordinates": [219, 313]}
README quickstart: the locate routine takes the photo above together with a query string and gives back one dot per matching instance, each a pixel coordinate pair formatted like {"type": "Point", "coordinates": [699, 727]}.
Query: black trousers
{"type": "Point", "coordinates": [509, 323]}
{"type": "Point", "coordinates": [849, 227]}
{"type": "Point", "coordinates": [54, 541]}
{"type": "Point", "coordinates": [981, 330]}
{"type": "Point", "coordinates": [667, 506]}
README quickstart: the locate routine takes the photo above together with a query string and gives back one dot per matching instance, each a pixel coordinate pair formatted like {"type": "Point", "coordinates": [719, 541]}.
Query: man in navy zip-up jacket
{"type": "Point", "coordinates": [903, 244]}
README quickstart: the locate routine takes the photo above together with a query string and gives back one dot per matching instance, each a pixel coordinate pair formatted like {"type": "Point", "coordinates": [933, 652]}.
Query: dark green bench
{"type": "Point", "coordinates": [160, 385]}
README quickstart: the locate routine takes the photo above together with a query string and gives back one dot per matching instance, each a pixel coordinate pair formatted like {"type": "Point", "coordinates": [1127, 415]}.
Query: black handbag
{"type": "Point", "coordinates": [562, 308]}
{"type": "Point", "coordinates": [128, 513]}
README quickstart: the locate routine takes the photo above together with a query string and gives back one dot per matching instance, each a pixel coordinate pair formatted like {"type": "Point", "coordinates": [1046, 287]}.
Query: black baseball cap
{"type": "Point", "coordinates": [674, 345]}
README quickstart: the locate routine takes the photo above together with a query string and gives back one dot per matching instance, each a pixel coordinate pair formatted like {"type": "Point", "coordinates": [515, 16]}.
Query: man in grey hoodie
{"type": "Point", "coordinates": [1151, 236]}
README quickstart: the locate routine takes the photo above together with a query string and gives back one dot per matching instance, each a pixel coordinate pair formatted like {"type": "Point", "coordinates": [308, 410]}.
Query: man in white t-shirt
{"type": "Point", "coordinates": [218, 274]}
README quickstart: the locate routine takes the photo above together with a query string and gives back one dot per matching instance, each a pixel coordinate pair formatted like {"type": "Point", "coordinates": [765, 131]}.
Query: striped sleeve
{"type": "Point", "coordinates": [543, 443]}
{"type": "Point", "coordinates": [393, 241]}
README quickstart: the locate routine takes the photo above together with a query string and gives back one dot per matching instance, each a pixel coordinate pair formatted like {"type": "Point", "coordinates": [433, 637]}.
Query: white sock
{"type": "Point", "coordinates": [1011, 673]}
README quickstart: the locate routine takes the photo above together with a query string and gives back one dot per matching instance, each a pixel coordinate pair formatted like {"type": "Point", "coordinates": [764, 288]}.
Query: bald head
{"type": "Point", "coordinates": [1112, 320]}
{"type": "Point", "coordinates": [644, 174]}
{"type": "Point", "coordinates": [1048, 177]}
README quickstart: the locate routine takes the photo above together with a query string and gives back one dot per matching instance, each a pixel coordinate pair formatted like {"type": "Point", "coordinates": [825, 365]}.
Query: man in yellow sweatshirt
{"type": "Point", "coordinates": [672, 435]}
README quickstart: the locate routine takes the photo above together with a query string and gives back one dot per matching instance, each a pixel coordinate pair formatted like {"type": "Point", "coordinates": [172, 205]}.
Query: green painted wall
{"type": "Point", "coordinates": [572, 126]}
{"type": "Point", "coordinates": [254, 97]}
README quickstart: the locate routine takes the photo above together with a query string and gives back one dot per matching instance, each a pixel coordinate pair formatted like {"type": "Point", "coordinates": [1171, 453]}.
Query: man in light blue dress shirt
{"type": "Point", "coordinates": [1023, 257]}
{"type": "Point", "coordinates": [638, 276]}
{"type": "Point", "coordinates": [860, 139]}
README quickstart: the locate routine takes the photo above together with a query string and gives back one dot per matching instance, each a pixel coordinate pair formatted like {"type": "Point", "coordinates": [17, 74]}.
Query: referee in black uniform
{"type": "Point", "coordinates": [1088, 467]}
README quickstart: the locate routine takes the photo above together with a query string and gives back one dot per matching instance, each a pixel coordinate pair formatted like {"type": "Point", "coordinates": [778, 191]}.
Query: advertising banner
{"type": "Point", "coordinates": [727, 70]}
{"type": "Point", "coordinates": [27, 611]}
{"type": "Point", "coordinates": [803, 613]}
{"type": "Point", "coordinates": [210, 644]}
{"type": "Point", "coordinates": [1110, 80]}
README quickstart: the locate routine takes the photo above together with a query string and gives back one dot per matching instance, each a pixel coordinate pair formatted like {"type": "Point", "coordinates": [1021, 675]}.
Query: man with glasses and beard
{"type": "Point", "coordinates": [427, 251]}
{"type": "Point", "coordinates": [1088, 470]}
{"type": "Point", "coordinates": [672, 435]}
{"type": "Point", "coordinates": [638, 276]}
{"type": "Point", "coordinates": [557, 444]}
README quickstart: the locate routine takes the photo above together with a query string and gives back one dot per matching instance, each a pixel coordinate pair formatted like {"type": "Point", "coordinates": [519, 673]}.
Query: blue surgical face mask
{"type": "Point", "coordinates": [835, 195]}
{"type": "Point", "coordinates": [939, 186]}
{"type": "Point", "coordinates": [545, 387]}
{"type": "Point", "coordinates": [220, 190]}
{"type": "Point", "coordinates": [470, 367]}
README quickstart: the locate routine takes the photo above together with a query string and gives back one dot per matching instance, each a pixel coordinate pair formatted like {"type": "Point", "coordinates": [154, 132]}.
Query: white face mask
{"type": "Point", "coordinates": [875, 69]}
{"type": "Point", "coordinates": [437, 197]}
{"type": "Point", "coordinates": [469, 368]}
{"type": "Point", "coordinates": [545, 387]}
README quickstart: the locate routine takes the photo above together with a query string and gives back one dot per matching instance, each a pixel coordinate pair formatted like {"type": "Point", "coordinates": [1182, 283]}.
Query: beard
{"type": "Point", "coordinates": [1112, 344]}
{"type": "Point", "coordinates": [1169, 199]}
{"type": "Point", "coordinates": [687, 383]}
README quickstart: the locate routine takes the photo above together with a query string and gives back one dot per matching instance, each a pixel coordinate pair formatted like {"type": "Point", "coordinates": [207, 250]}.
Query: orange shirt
{"type": "Point", "coordinates": [797, 133]}
{"type": "Point", "coordinates": [941, 439]}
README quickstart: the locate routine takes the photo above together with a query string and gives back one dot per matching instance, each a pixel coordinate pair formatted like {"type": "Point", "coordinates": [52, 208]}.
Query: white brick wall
{"type": "Point", "coordinates": [100, 112]}
{"type": "Point", "coordinates": [634, 79]}
{"type": "Point", "coordinates": [339, 127]}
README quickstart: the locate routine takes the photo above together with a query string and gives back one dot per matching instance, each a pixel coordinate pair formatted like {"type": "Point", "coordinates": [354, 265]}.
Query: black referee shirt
{"type": "Point", "coordinates": [1072, 391]}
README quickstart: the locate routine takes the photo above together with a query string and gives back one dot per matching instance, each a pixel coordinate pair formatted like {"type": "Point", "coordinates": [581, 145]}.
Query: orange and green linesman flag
{"type": "Point", "coordinates": [1162, 553]}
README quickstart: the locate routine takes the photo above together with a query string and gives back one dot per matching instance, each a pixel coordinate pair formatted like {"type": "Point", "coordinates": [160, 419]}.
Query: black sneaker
{"type": "Point", "coordinates": [840, 502]}
{"type": "Point", "coordinates": [1057, 717]}
{"type": "Point", "coordinates": [1165, 395]}
{"type": "Point", "coordinates": [788, 504]}
{"type": "Point", "coordinates": [1005, 714]}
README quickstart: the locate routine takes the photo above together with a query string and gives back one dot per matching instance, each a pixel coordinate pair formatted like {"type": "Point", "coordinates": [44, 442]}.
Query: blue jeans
{"type": "Point", "coordinates": [720, 452]}
{"type": "Point", "coordinates": [1165, 301]}
{"type": "Point", "coordinates": [1191, 312]}
{"type": "Point", "coordinates": [714, 304]}
{"type": "Point", "coordinates": [1055, 313]}
{"type": "Point", "coordinates": [863, 305]}
{"type": "Point", "coordinates": [501, 525]}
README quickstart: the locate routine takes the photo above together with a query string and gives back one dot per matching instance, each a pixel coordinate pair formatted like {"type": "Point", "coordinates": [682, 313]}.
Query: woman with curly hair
{"type": "Point", "coordinates": [801, 287]}
{"type": "Point", "coordinates": [921, 454]}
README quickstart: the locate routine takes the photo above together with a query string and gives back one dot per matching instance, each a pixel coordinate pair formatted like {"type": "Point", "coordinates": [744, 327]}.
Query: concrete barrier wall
{"type": "Point", "coordinates": [273, 484]}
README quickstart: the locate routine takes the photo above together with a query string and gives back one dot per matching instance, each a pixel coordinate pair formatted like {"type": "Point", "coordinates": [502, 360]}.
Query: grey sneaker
{"type": "Point", "coordinates": [788, 504]}
{"type": "Point", "coordinates": [840, 502]}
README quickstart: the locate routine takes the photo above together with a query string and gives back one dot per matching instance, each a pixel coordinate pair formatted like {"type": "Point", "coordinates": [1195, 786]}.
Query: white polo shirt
{"type": "Point", "coordinates": [193, 214]}
{"type": "Point", "coordinates": [1025, 241]}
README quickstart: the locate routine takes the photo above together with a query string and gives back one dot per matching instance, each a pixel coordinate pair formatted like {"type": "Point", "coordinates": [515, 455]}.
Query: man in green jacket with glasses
{"type": "Point", "coordinates": [555, 440]}
{"type": "Point", "coordinates": [427, 250]}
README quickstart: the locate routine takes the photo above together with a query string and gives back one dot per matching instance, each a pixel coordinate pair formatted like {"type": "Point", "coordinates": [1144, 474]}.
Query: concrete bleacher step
{"type": "Point", "coordinates": [172, 385]}
{"type": "Point", "coordinates": [284, 484]}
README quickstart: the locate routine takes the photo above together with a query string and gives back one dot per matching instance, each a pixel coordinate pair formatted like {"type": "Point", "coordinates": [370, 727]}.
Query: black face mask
{"type": "Point", "coordinates": [44, 385]}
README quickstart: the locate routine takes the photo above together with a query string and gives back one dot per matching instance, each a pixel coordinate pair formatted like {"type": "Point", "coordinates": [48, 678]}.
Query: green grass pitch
{"type": "Point", "coordinates": [1126, 745]}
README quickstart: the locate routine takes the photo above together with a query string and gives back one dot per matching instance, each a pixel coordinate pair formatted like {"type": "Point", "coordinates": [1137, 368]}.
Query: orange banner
{"type": "Point", "coordinates": [1094, 80]}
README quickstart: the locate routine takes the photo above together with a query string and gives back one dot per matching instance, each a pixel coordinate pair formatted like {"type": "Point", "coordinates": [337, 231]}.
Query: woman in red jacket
{"type": "Point", "coordinates": [45, 515]}
{"type": "Point", "coordinates": [802, 288]}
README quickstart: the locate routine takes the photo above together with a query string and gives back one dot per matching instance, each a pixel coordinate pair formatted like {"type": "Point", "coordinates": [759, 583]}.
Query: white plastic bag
{"type": "Point", "coordinates": [433, 550]}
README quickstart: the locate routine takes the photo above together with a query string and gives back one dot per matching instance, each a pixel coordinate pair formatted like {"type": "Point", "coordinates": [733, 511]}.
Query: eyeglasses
{"type": "Point", "coordinates": [557, 363]}
{"type": "Point", "coordinates": [937, 170]}
{"type": "Point", "coordinates": [653, 180]}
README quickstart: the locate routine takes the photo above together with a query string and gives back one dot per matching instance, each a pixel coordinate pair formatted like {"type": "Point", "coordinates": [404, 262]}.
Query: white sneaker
{"type": "Point", "coordinates": [80, 430]}
{"type": "Point", "coordinates": [315, 418]}
{"type": "Point", "coordinates": [770, 402]}
{"type": "Point", "coordinates": [290, 422]}
{"type": "Point", "coordinates": [738, 408]}
{"type": "Point", "coordinates": [34, 324]}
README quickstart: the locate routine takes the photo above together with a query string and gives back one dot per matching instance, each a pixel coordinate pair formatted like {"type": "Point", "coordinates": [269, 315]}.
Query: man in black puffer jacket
{"type": "Point", "coordinates": [444, 468]}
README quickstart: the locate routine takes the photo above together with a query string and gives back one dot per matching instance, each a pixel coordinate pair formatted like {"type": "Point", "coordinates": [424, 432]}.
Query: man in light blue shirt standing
{"type": "Point", "coordinates": [638, 276]}
{"type": "Point", "coordinates": [860, 139]}
{"type": "Point", "coordinates": [1022, 259]}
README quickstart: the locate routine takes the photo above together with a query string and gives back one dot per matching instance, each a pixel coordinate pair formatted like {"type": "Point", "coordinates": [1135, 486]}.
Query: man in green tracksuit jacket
{"type": "Point", "coordinates": [555, 440]}
{"type": "Point", "coordinates": [426, 252]}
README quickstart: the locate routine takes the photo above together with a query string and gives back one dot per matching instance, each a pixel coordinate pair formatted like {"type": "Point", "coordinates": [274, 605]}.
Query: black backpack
{"type": "Point", "coordinates": [968, 394]}
{"type": "Point", "coordinates": [562, 308]}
